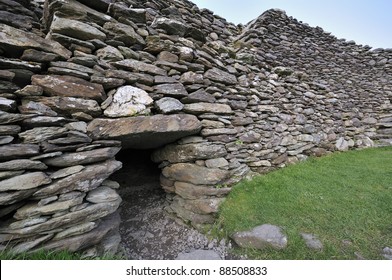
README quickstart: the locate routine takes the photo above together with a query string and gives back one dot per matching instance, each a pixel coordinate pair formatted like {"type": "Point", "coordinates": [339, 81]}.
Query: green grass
{"type": "Point", "coordinates": [345, 199]}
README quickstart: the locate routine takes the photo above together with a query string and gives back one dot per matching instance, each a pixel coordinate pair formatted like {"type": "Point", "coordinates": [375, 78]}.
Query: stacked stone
{"type": "Point", "coordinates": [215, 100]}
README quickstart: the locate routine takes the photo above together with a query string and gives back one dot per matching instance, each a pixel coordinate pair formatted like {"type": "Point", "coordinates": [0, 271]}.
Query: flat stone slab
{"type": "Point", "coordinates": [199, 255]}
{"type": "Point", "coordinates": [145, 132]}
{"type": "Point", "coordinates": [261, 237]}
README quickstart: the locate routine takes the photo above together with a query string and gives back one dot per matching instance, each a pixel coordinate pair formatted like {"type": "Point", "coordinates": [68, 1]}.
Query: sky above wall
{"type": "Point", "coordinates": [367, 22]}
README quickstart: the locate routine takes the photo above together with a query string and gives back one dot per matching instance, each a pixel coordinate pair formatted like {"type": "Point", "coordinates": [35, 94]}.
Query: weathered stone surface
{"type": "Point", "coordinates": [194, 174]}
{"type": "Point", "coordinates": [81, 158]}
{"type": "Point", "coordinates": [39, 134]}
{"type": "Point", "coordinates": [68, 86]}
{"type": "Point", "coordinates": [191, 191]}
{"type": "Point", "coordinates": [89, 178]}
{"type": "Point", "coordinates": [9, 174]}
{"type": "Point", "coordinates": [387, 253]}
{"type": "Point", "coordinates": [217, 163]}
{"type": "Point", "coordinates": [124, 33]}
{"type": "Point", "coordinates": [9, 130]}
{"type": "Point", "coordinates": [196, 219]}
{"type": "Point", "coordinates": [145, 132]}
{"type": "Point", "coordinates": [33, 209]}
{"type": "Point", "coordinates": [199, 96]}
{"type": "Point", "coordinates": [200, 108]}
{"type": "Point", "coordinates": [22, 164]}
{"type": "Point", "coordinates": [171, 26]}
{"type": "Point", "coordinates": [15, 40]}
{"type": "Point", "coordinates": [101, 195]}
{"type": "Point", "coordinates": [17, 151]}
{"type": "Point", "coordinates": [220, 76]}
{"type": "Point", "coordinates": [75, 29]}
{"type": "Point", "coordinates": [71, 105]}
{"type": "Point", "coordinates": [139, 66]}
{"type": "Point", "coordinates": [9, 198]}
{"type": "Point", "coordinates": [109, 54]}
{"type": "Point", "coordinates": [312, 242]}
{"type": "Point", "coordinates": [175, 90]}
{"type": "Point", "coordinates": [169, 105]}
{"type": "Point", "coordinates": [261, 237]}
{"type": "Point", "coordinates": [129, 101]}
{"type": "Point", "coordinates": [26, 246]}
{"type": "Point", "coordinates": [25, 182]}
{"type": "Point", "coordinates": [76, 230]}
{"type": "Point", "coordinates": [189, 152]}
{"type": "Point", "coordinates": [199, 255]}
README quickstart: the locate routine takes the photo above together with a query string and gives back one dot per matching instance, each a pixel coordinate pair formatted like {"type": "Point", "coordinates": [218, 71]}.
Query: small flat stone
{"type": "Point", "coordinates": [201, 108]}
{"type": "Point", "coordinates": [262, 237]}
{"type": "Point", "coordinates": [101, 195]}
{"type": "Point", "coordinates": [66, 172]}
{"type": "Point", "coordinates": [312, 242]}
{"type": "Point", "coordinates": [169, 105]}
{"type": "Point", "coordinates": [199, 255]}
{"type": "Point", "coordinates": [40, 134]}
{"type": "Point", "coordinates": [135, 65]}
{"type": "Point", "coordinates": [17, 151]}
{"type": "Point", "coordinates": [174, 90]}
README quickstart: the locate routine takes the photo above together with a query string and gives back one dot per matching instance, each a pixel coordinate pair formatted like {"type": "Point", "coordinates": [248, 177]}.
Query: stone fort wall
{"type": "Point", "coordinates": [81, 80]}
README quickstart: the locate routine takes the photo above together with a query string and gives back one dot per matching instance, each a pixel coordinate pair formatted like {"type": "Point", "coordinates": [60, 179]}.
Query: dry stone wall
{"type": "Point", "coordinates": [80, 80]}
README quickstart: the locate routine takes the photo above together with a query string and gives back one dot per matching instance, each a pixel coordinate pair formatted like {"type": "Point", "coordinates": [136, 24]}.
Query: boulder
{"type": "Point", "coordinates": [69, 86]}
{"type": "Point", "coordinates": [194, 174]}
{"type": "Point", "coordinates": [261, 237]}
{"type": "Point", "coordinates": [129, 101]}
{"type": "Point", "coordinates": [145, 132]}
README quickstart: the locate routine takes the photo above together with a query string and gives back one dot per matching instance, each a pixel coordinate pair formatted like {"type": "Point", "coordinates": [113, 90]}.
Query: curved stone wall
{"type": "Point", "coordinates": [216, 101]}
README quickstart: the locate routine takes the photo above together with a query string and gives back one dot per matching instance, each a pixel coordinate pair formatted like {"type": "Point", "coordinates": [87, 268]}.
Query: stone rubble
{"type": "Point", "coordinates": [216, 101]}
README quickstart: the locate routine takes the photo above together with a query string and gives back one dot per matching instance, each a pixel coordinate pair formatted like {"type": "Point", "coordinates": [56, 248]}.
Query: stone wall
{"type": "Point", "coordinates": [216, 101]}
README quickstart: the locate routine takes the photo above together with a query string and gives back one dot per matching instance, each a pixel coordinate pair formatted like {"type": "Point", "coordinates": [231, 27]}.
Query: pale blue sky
{"type": "Point", "coordinates": [367, 22]}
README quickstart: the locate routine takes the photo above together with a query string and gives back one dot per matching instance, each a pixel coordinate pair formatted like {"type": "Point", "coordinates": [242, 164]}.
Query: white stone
{"type": "Point", "coordinates": [129, 101]}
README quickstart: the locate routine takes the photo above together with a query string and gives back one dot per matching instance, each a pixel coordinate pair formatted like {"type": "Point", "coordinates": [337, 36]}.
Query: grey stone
{"type": "Point", "coordinates": [33, 209]}
{"type": "Point", "coordinates": [188, 152]}
{"type": "Point", "coordinates": [9, 174]}
{"type": "Point", "coordinates": [75, 230]}
{"type": "Point", "coordinates": [169, 105]}
{"type": "Point", "coordinates": [11, 130]}
{"type": "Point", "coordinates": [175, 90]}
{"type": "Point", "coordinates": [261, 237]}
{"type": "Point", "coordinates": [40, 134]}
{"type": "Point", "coordinates": [220, 76]}
{"type": "Point", "coordinates": [135, 65]}
{"type": "Point", "coordinates": [191, 191]}
{"type": "Point", "coordinates": [312, 242]}
{"type": "Point", "coordinates": [69, 86]}
{"type": "Point", "coordinates": [27, 246]}
{"type": "Point", "coordinates": [199, 96]}
{"type": "Point", "coordinates": [387, 253]}
{"type": "Point", "coordinates": [194, 174]}
{"type": "Point", "coordinates": [7, 105]}
{"type": "Point", "coordinates": [136, 132]}
{"type": "Point", "coordinates": [9, 198]}
{"type": "Point", "coordinates": [102, 194]}
{"type": "Point", "coordinates": [129, 101]}
{"type": "Point", "coordinates": [80, 158]}
{"type": "Point", "coordinates": [199, 255]}
{"type": "Point", "coordinates": [342, 144]}
{"type": "Point", "coordinates": [22, 164]}
{"type": "Point", "coordinates": [6, 140]}
{"type": "Point", "coordinates": [110, 54]}
{"type": "Point", "coordinates": [81, 181]}
{"type": "Point", "coordinates": [201, 108]}
{"type": "Point", "coordinates": [25, 182]}
{"type": "Point", "coordinates": [217, 163]}
{"type": "Point", "coordinates": [171, 26]}
{"type": "Point", "coordinates": [124, 33]}
{"type": "Point", "coordinates": [12, 39]}
{"type": "Point", "coordinates": [75, 29]}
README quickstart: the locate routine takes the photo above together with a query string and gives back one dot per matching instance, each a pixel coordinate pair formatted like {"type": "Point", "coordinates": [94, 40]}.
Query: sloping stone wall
{"type": "Point", "coordinates": [216, 101]}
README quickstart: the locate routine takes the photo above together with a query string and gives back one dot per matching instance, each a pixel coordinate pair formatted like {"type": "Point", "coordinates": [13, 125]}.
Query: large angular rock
{"type": "Point", "coordinates": [169, 105]}
{"type": "Point", "coordinates": [187, 153]}
{"type": "Point", "coordinates": [220, 76]}
{"type": "Point", "coordinates": [145, 132]}
{"type": "Point", "coordinates": [24, 182]}
{"type": "Point", "coordinates": [81, 158]}
{"type": "Point", "coordinates": [261, 237]}
{"type": "Point", "coordinates": [129, 101]}
{"type": "Point", "coordinates": [171, 26]}
{"type": "Point", "coordinates": [69, 86]}
{"type": "Point", "coordinates": [75, 29]}
{"type": "Point", "coordinates": [14, 40]}
{"type": "Point", "coordinates": [88, 179]}
{"type": "Point", "coordinates": [124, 33]}
{"type": "Point", "coordinates": [194, 174]}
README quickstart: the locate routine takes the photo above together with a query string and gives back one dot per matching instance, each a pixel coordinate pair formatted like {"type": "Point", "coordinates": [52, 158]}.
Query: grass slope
{"type": "Point", "coordinates": [345, 199]}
